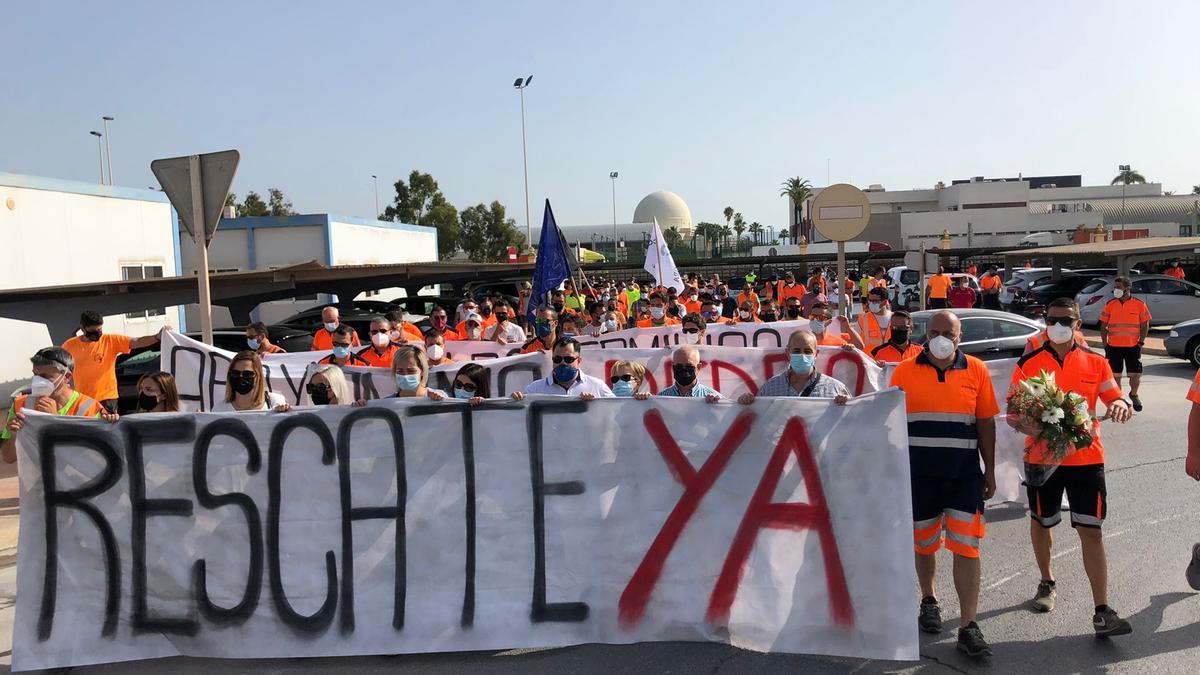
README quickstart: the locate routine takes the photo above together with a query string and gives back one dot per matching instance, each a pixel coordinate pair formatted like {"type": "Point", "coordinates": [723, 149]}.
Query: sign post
{"type": "Point", "coordinates": [197, 186]}
{"type": "Point", "coordinates": [841, 213]}
{"type": "Point", "coordinates": [922, 262]}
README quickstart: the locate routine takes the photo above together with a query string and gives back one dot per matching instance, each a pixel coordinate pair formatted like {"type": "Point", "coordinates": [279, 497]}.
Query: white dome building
{"type": "Point", "coordinates": [670, 210]}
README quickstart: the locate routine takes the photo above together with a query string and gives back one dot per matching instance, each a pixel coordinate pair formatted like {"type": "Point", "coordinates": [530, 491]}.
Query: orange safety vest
{"type": "Point", "coordinates": [872, 333]}
{"type": "Point", "coordinates": [890, 353]}
{"type": "Point", "coordinates": [1124, 321]}
{"type": "Point", "coordinates": [79, 405]}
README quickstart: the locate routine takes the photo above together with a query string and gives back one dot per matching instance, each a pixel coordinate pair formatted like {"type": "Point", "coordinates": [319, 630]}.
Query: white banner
{"type": "Point", "coordinates": [199, 370]}
{"type": "Point", "coordinates": [415, 527]}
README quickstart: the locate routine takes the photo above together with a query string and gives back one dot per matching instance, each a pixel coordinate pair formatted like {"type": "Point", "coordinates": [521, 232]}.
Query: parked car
{"type": "Point", "coordinates": [1042, 293]}
{"type": "Point", "coordinates": [1170, 300]}
{"type": "Point", "coordinates": [1184, 341]}
{"type": "Point", "coordinates": [421, 306]}
{"type": "Point", "coordinates": [131, 367]}
{"type": "Point", "coordinates": [987, 334]}
{"type": "Point", "coordinates": [1021, 280]}
{"type": "Point", "coordinates": [357, 317]}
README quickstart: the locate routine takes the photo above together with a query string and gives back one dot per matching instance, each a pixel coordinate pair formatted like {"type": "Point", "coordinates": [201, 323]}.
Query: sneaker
{"type": "Point", "coordinates": [1044, 600]}
{"type": "Point", "coordinates": [1137, 402]}
{"type": "Point", "coordinates": [930, 619]}
{"type": "Point", "coordinates": [1108, 624]}
{"type": "Point", "coordinates": [971, 642]}
{"type": "Point", "coordinates": [1193, 570]}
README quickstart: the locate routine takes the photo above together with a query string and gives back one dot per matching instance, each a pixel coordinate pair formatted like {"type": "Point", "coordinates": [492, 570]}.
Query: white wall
{"type": "Point", "coordinates": [358, 244]}
{"type": "Point", "coordinates": [56, 237]}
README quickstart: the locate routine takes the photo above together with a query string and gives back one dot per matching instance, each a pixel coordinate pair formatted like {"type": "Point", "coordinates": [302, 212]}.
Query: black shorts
{"type": "Point", "coordinates": [1127, 359]}
{"type": "Point", "coordinates": [948, 510]}
{"type": "Point", "coordinates": [1085, 490]}
{"type": "Point", "coordinates": [939, 303]}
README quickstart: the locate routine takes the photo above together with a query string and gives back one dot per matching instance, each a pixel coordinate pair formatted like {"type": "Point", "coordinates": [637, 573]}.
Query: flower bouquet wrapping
{"type": "Point", "coordinates": [1052, 415]}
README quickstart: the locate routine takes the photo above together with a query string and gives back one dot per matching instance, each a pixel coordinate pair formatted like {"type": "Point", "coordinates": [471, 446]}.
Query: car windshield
{"type": "Point", "coordinates": [909, 276]}
{"type": "Point", "coordinates": [1094, 286]}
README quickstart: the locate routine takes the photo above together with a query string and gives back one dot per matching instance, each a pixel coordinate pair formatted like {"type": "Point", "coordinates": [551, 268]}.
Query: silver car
{"type": "Point", "coordinates": [1170, 300]}
{"type": "Point", "coordinates": [1184, 341]}
{"type": "Point", "coordinates": [986, 333]}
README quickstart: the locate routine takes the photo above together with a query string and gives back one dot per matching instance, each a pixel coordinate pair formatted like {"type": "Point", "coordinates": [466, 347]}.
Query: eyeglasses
{"type": "Point", "coordinates": [314, 388]}
{"type": "Point", "coordinates": [1060, 320]}
{"type": "Point", "coordinates": [465, 386]}
{"type": "Point", "coordinates": [691, 331]}
{"type": "Point", "coordinates": [565, 359]}
{"type": "Point", "coordinates": [242, 375]}
{"type": "Point", "coordinates": [341, 344]}
{"type": "Point", "coordinates": [620, 378]}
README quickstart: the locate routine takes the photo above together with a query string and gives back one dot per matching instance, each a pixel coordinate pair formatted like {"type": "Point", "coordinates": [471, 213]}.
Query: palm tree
{"type": "Point", "coordinates": [710, 231]}
{"type": "Point", "coordinates": [726, 232]}
{"type": "Point", "coordinates": [755, 230]}
{"type": "Point", "coordinates": [739, 226]}
{"type": "Point", "coordinates": [798, 191]}
{"type": "Point", "coordinates": [1129, 177]}
{"type": "Point", "coordinates": [728, 214]}
{"type": "Point", "coordinates": [673, 237]}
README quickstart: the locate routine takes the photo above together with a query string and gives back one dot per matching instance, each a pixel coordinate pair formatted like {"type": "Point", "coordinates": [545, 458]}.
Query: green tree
{"type": "Point", "coordinates": [673, 237]}
{"type": "Point", "coordinates": [231, 200]}
{"type": "Point", "coordinates": [755, 230]}
{"type": "Point", "coordinates": [487, 233]}
{"type": "Point", "coordinates": [725, 232]}
{"type": "Point", "coordinates": [418, 201]}
{"type": "Point", "coordinates": [253, 205]}
{"type": "Point", "coordinates": [798, 191]}
{"type": "Point", "coordinates": [728, 213]}
{"type": "Point", "coordinates": [739, 227]}
{"type": "Point", "coordinates": [278, 204]}
{"type": "Point", "coordinates": [1129, 177]}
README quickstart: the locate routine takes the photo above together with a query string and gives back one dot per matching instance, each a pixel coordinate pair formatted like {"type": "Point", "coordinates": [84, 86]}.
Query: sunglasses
{"type": "Point", "coordinates": [242, 375]}
{"type": "Point", "coordinates": [314, 388]}
{"type": "Point", "coordinates": [380, 331]}
{"type": "Point", "coordinates": [564, 359]}
{"type": "Point", "coordinates": [341, 344]}
{"type": "Point", "coordinates": [1060, 320]}
{"type": "Point", "coordinates": [465, 386]}
{"type": "Point", "coordinates": [620, 378]}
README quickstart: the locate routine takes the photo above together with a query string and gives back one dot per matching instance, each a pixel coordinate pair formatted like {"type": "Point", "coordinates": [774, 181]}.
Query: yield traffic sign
{"type": "Point", "coordinates": [212, 181]}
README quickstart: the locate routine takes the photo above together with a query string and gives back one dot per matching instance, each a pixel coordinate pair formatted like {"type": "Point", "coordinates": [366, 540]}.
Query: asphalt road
{"type": "Point", "coordinates": [1151, 527]}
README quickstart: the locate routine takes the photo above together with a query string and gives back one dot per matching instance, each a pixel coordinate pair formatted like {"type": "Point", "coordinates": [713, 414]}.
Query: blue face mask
{"type": "Point", "coordinates": [802, 364]}
{"type": "Point", "coordinates": [408, 382]}
{"type": "Point", "coordinates": [543, 329]}
{"type": "Point", "coordinates": [463, 394]}
{"type": "Point", "coordinates": [331, 326]}
{"type": "Point", "coordinates": [623, 388]}
{"type": "Point", "coordinates": [252, 343]}
{"type": "Point", "coordinates": [341, 352]}
{"type": "Point", "coordinates": [565, 373]}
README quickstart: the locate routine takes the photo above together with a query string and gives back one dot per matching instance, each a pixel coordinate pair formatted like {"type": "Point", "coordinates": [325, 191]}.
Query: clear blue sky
{"type": "Point", "coordinates": [717, 101]}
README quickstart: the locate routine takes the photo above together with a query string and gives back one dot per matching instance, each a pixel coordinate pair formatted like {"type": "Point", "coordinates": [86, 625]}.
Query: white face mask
{"type": "Point", "coordinates": [1059, 334]}
{"type": "Point", "coordinates": [331, 326]}
{"type": "Point", "coordinates": [380, 340]}
{"type": "Point", "coordinates": [876, 307]}
{"type": "Point", "coordinates": [1118, 293]}
{"type": "Point", "coordinates": [40, 386]}
{"type": "Point", "coordinates": [394, 335]}
{"type": "Point", "coordinates": [744, 314]}
{"type": "Point", "coordinates": [691, 338]}
{"type": "Point", "coordinates": [816, 326]}
{"type": "Point", "coordinates": [657, 312]}
{"type": "Point", "coordinates": [435, 352]}
{"type": "Point", "coordinates": [474, 333]}
{"type": "Point", "coordinates": [610, 326]}
{"type": "Point", "coordinates": [941, 347]}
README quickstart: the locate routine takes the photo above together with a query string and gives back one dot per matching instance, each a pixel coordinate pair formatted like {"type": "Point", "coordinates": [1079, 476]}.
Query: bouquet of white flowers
{"type": "Point", "coordinates": [1059, 418]}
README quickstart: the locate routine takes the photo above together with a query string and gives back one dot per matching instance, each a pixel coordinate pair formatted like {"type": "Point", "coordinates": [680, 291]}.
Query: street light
{"type": "Point", "coordinates": [107, 149]}
{"type": "Point", "coordinates": [520, 86]}
{"type": "Point", "coordinates": [99, 151]}
{"type": "Point", "coordinates": [376, 179]}
{"type": "Point", "coordinates": [1124, 169]}
{"type": "Point", "coordinates": [613, 176]}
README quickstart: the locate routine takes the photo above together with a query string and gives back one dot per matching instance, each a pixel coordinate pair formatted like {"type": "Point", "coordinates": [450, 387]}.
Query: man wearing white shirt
{"type": "Point", "coordinates": [504, 330]}
{"type": "Point", "coordinates": [567, 378]}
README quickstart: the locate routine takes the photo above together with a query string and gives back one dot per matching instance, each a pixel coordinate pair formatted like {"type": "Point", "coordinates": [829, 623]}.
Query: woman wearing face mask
{"type": "Point", "coordinates": [435, 349]}
{"type": "Point", "coordinates": [693, 330]}
{"type": "Point", "coordinates": [626, 380]}
{"type": "Point", "coordinates": [157, 393]}
{"type": "Point", "coordinates": [472, 383]}
{"type": "Point", "coordinates": [246, 388]}
{"type": "Point", "coordinates": [410, 367]}
{"type": "Point", "coordinates": [327, 386]}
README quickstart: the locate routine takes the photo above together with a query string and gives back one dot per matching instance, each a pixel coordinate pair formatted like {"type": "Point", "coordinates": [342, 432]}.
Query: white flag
{"type": "Point", "coordinates": [660, 263]}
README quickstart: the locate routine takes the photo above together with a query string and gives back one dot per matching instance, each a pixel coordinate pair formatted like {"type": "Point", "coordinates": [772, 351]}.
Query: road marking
{"type": "Point", "coordinates": [1003, 581]}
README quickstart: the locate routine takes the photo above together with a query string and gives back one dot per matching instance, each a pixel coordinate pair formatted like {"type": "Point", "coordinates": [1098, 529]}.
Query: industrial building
{"type": "Point", "coordinates": [59, 232]}
{"type": "Point", "coordinates": [995, 212]}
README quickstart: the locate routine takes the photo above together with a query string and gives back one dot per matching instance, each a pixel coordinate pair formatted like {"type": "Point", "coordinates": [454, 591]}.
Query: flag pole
{"type": "Point", "coordinates": [658, 250]}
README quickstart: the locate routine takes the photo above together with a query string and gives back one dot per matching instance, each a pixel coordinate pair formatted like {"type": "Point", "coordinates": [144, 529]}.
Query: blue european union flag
{"type": "Point", "coordinates": [552, 268]}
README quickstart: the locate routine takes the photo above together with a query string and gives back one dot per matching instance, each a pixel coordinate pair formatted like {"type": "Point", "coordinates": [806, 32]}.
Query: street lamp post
{"type": "Point", "coordinates": [376, 180]}
{"type": "Point", "coordinates": [99, 151]}
{"type": "Point", "coordinates": [1124, 169]}
{"type": "Point", "coordinates": [108, 150]}
{"type": "Point", "coordinates": [520, 86]}
{"type": "Point", "coordinates": [613, 176]}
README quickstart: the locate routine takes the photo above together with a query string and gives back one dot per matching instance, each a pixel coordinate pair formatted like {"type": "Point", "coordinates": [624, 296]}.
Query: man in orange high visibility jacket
{"type": "Point", "coordinates": [898, 347]}
{"type": "Point", "coordinates": [323, 338]}
{"type": "Point", "coordinates": [1124, 323]}
{"type": "Point", "coordinates": [1080, 473]}
{"type": "Point", "coordinates": [379, 354]}
{"type": "Point", "coordinates": [874, 323]}
{"type": "Point", "coordinates": [50, 392]}
{"type": "Point", "coordinates": [951, 427]}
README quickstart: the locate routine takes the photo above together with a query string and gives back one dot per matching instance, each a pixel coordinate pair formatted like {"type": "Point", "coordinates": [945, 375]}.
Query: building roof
{"type": "Point", "coordinates": [1163, 209]}
{"type": "Point", "coordinates": [1114, 248]}
{"type": "Point", "coordinates": [668, 207]}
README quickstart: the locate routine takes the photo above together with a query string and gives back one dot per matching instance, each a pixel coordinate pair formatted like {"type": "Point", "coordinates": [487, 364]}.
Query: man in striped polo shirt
{"type": "Point", "coordinates": [951, 427]}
